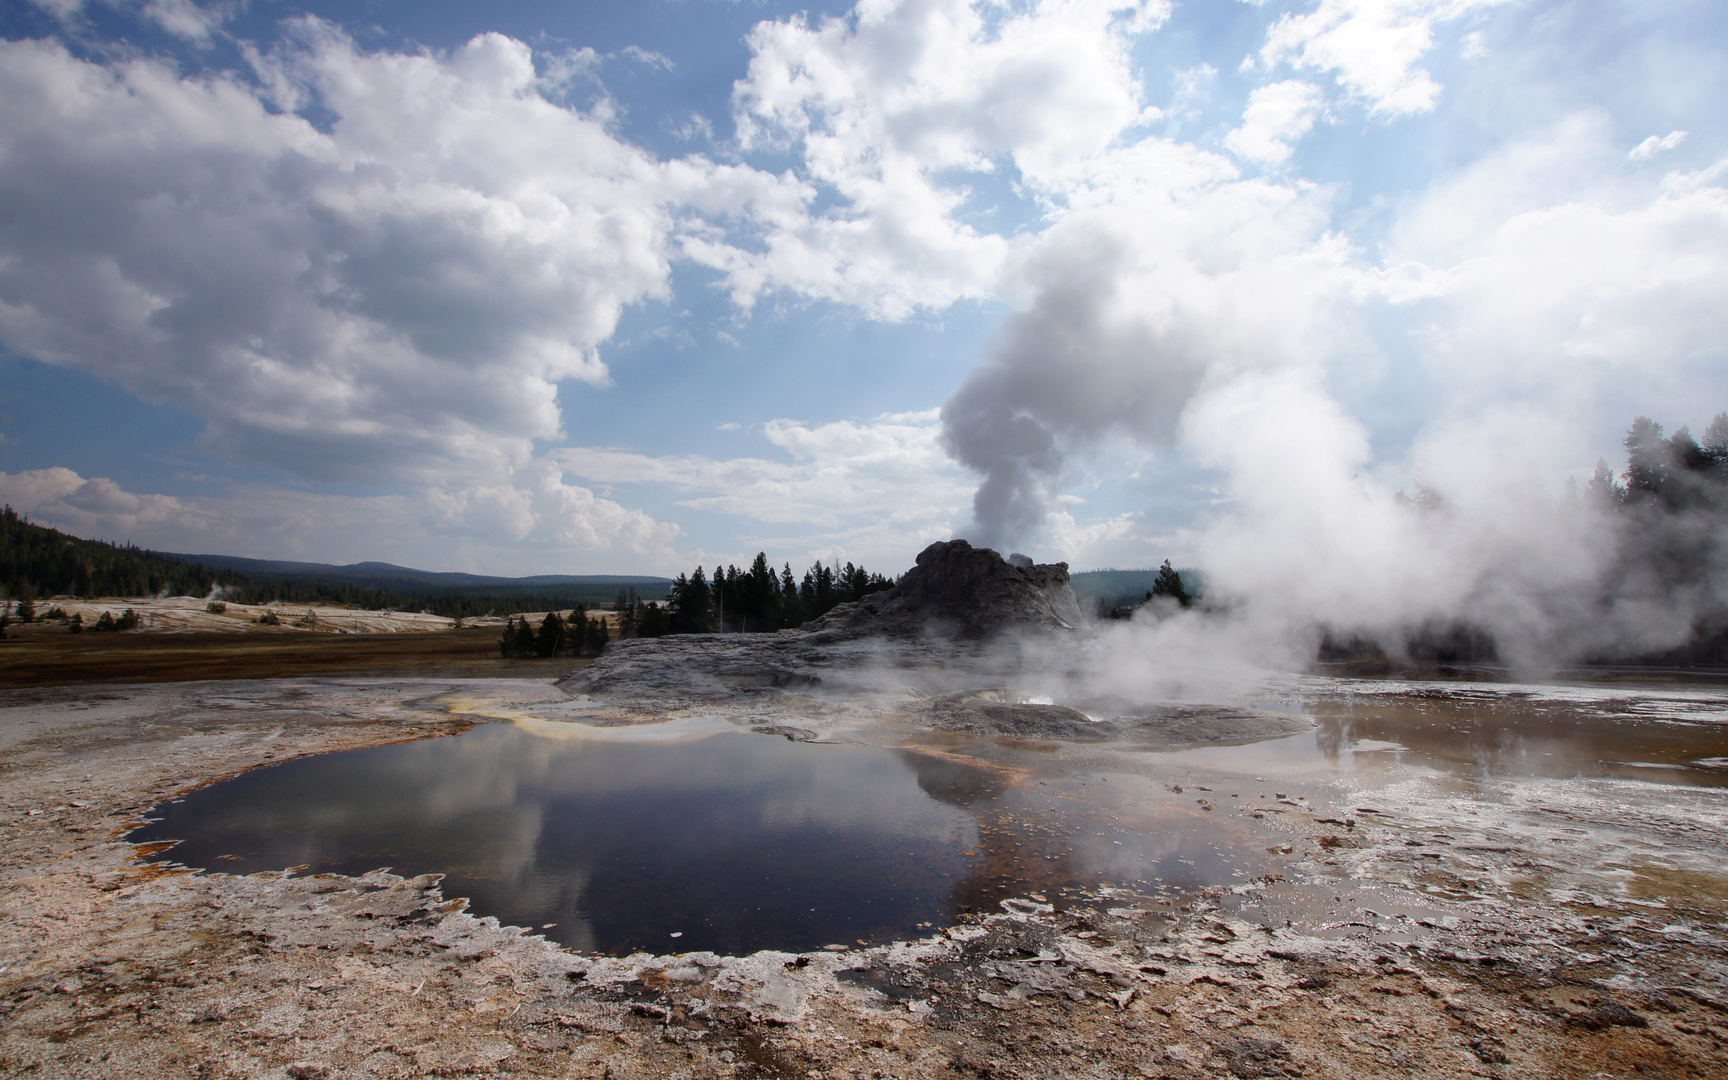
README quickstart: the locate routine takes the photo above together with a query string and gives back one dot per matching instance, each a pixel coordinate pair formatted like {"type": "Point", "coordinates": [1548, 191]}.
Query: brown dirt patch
{"type": "Point", "coordinates": [49, 656]}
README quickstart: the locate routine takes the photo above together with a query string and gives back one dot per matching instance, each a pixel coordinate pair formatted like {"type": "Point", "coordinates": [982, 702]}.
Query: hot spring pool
{"type": "Point", "coordinates": [695, 835]}
{"type": "Point", "coordinates": [723, 840]}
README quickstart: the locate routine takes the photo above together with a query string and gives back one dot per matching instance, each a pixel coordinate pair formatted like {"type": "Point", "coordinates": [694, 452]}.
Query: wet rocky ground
{"type": "Point", "coordinates": [1415, 923]}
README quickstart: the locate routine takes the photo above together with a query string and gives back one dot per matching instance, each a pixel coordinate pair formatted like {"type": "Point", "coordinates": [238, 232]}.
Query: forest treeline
{"type": "Point", "coordinates": [763, 599]}
{"type": "Point", "coordinates": [1170, 584]}
{"type": "Point", "coordinates": [1668, 512]}
{"type": "Point", "coordinates": [39, 562]}
{"type": "Point", "coordinates": [575, 634]}
{"type": "Point", "coordinates": [1667, 473]}
{"type": "Point", "coordinates": [1670, 506]}
{"type": "Point", "coordinates": [36, 561]}
{"type": "Point", "coordinates": [745, 601]}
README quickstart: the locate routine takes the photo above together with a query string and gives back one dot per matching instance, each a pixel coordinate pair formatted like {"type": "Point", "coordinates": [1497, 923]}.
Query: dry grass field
{"type": "Point", "coordinates": [46, 655]}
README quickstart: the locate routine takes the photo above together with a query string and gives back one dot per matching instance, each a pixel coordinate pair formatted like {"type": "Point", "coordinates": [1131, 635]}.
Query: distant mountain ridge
{"type": "Point", "coordinates": [41, 562]}
{"type": "Point", "coordinates": [1111, 584]}
{"type": "Point", "coordinates": [383, 571]}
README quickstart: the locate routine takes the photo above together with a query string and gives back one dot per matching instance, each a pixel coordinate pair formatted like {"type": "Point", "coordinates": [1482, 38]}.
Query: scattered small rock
{"type": "Point", "coordinates": [1611, 1014]}
{"type": "Point", "coordinates": [1250, 1057]}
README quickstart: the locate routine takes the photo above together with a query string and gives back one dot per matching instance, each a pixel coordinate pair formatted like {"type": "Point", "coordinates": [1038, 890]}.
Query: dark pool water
{"type": "Point", "coordinates": [728, 842]}
{"type": "Point", "coordinates": [677, 837]}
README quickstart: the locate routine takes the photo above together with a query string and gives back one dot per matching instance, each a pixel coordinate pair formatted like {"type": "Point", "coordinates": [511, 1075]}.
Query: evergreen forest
{"type": "Point", "coordinates": [38, 562]}
{"type": "Point", "coordinates": [1665, 517]}
{"type": "Point", "coordinates": [763, 599]}
{"type": "Point", "coordinates": [1669, 510]}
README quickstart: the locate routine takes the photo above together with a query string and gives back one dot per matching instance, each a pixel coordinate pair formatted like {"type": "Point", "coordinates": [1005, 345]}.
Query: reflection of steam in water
{"type": "Point", "coordinates": [1064, 833]}
{"type": "Point", "coordinates": [594, 726]}
{"type": "Point", "coordinates": [622, 833]}
{"type": "Point", "coordinates": [1516, 733]}
{"type": "Point", "coordinates": [956, 779]}
{"type": "Point", "coordinates": [1006, 860]}
{"type": "Point", "coordinates": [735, 841]}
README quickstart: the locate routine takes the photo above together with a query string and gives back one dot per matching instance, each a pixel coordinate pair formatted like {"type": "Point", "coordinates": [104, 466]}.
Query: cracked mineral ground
{"type": "Point", "coordinates": [1422, 879]}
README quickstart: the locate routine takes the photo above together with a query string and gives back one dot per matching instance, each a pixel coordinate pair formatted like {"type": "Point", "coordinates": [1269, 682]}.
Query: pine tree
{"type": "Point", "coordinates": [1647, 458]}
{"type": "Point", "coordinates": [691, 604]}
{"type": "Point", "coordinates": [790, 608]}
{"type": "Point", "coordinates": [1716, 439]}
{"type": "Point", "coordinates": [653, 620]}
{"type": "Point", "coordinates": [575, 630]}
{"type": "Point", "coordinates": [1684, 452]}
{"type": "Point", "coordinates": [551, 635]}
{"type": "Point", "coordinates": [760, 609]}
{"type": "Point", "coordinates": [1169, 583]}
{"type": "Point", "coordinates": [628, 606]}
{"type": "Point", "coordinates": [1602, 488]}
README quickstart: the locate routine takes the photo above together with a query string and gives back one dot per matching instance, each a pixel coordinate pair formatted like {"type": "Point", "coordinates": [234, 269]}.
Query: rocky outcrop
{"type": "Point", "coordinates": [937, 622]}
{"type": "Point", "coordinates": [1164, 726]}
{"type": "Point", "coordinates": [957, 590]}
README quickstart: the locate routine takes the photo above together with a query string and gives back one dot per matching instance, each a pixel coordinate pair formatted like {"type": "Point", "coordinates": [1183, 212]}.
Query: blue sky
{"type": "Point", "coordinates": [536, 287]}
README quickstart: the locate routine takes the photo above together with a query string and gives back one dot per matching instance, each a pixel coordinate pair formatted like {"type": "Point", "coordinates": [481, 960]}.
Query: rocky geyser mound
{"type": "Point", "coordinates": [957, 590]}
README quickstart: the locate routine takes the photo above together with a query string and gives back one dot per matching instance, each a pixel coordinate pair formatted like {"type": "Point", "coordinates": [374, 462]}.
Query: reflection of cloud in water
{"type": "Point", "coordinates": [1297, 753]}
{"type": "Point", "coordinates": [955, 780]}
{"type": "Point", "coordinates": [740, 840]}
{"type": "Point", "coordinates": [725, 836]}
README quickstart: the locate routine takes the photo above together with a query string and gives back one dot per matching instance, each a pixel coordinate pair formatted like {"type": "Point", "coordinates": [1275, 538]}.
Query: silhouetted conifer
{"type": "Point", "coordinates": [1169, 583]}
{"type": "Point", "coordinates": [550, 636]}
{"type": "Point", "coordinates": [1647, 458]}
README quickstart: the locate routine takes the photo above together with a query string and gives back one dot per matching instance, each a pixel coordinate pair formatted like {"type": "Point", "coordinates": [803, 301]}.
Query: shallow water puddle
{"type": "Point", "coordinates": [688, 837]}
{"type": "Point", "coordinates": [1479, 734]}
{"type": "Point", "coordinates": [615, 836]}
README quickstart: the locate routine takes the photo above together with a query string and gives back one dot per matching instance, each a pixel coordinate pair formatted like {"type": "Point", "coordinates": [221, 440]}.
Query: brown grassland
{"type": "Point", "coordinates": [46, 655]}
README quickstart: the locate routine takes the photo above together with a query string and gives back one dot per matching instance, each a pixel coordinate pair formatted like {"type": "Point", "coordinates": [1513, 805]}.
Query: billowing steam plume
{"type": "Point", "coordinates": [1229, 326]}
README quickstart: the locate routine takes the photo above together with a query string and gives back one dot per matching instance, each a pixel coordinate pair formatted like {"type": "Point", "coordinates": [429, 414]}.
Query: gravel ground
{"type": "Point", "coordinates": [1424, 927]}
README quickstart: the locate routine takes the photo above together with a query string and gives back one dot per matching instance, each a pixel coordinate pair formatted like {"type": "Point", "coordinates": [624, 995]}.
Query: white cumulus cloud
{"type": "Point", "coordinates": [393, 295]}
{"type": "Point", "coordinates": [1277, 116]}
{"type": "Point", "coordinates": [1375, 47]}
{"type": "Point", "coordinates": [188, 20]}
{"type": "Point", "coordinates": [860, 489]}
{"type": "Point", "coordinates": [537, 524]}
{"type": "Point", "coordinates": [1656, 144]}
{"type": "Point", "coordinates": [891, 107]}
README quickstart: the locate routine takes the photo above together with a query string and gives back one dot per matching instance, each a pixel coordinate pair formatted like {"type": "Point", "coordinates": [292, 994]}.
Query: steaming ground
{"type": "Point", "coordinates": [936, 683]}
{"type": "Point", "coordinates": [1430, 903]}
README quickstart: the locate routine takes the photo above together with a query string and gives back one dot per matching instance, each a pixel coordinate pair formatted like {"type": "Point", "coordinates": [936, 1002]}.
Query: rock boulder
{"type": "Point", "coordinates": [957, 590]}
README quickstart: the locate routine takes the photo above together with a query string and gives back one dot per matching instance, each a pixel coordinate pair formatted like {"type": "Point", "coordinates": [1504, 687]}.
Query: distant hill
{"type": "Point", "coordinates": [440, 592]}
{"type": "Point", "coordinates": [44, 561]}
{"type": "Point", "coordinates": [39, 561]}
{"type": "Point", "coordinates": [1117, 586]}
{"type": "Point", "coordinates": [382, 572]}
